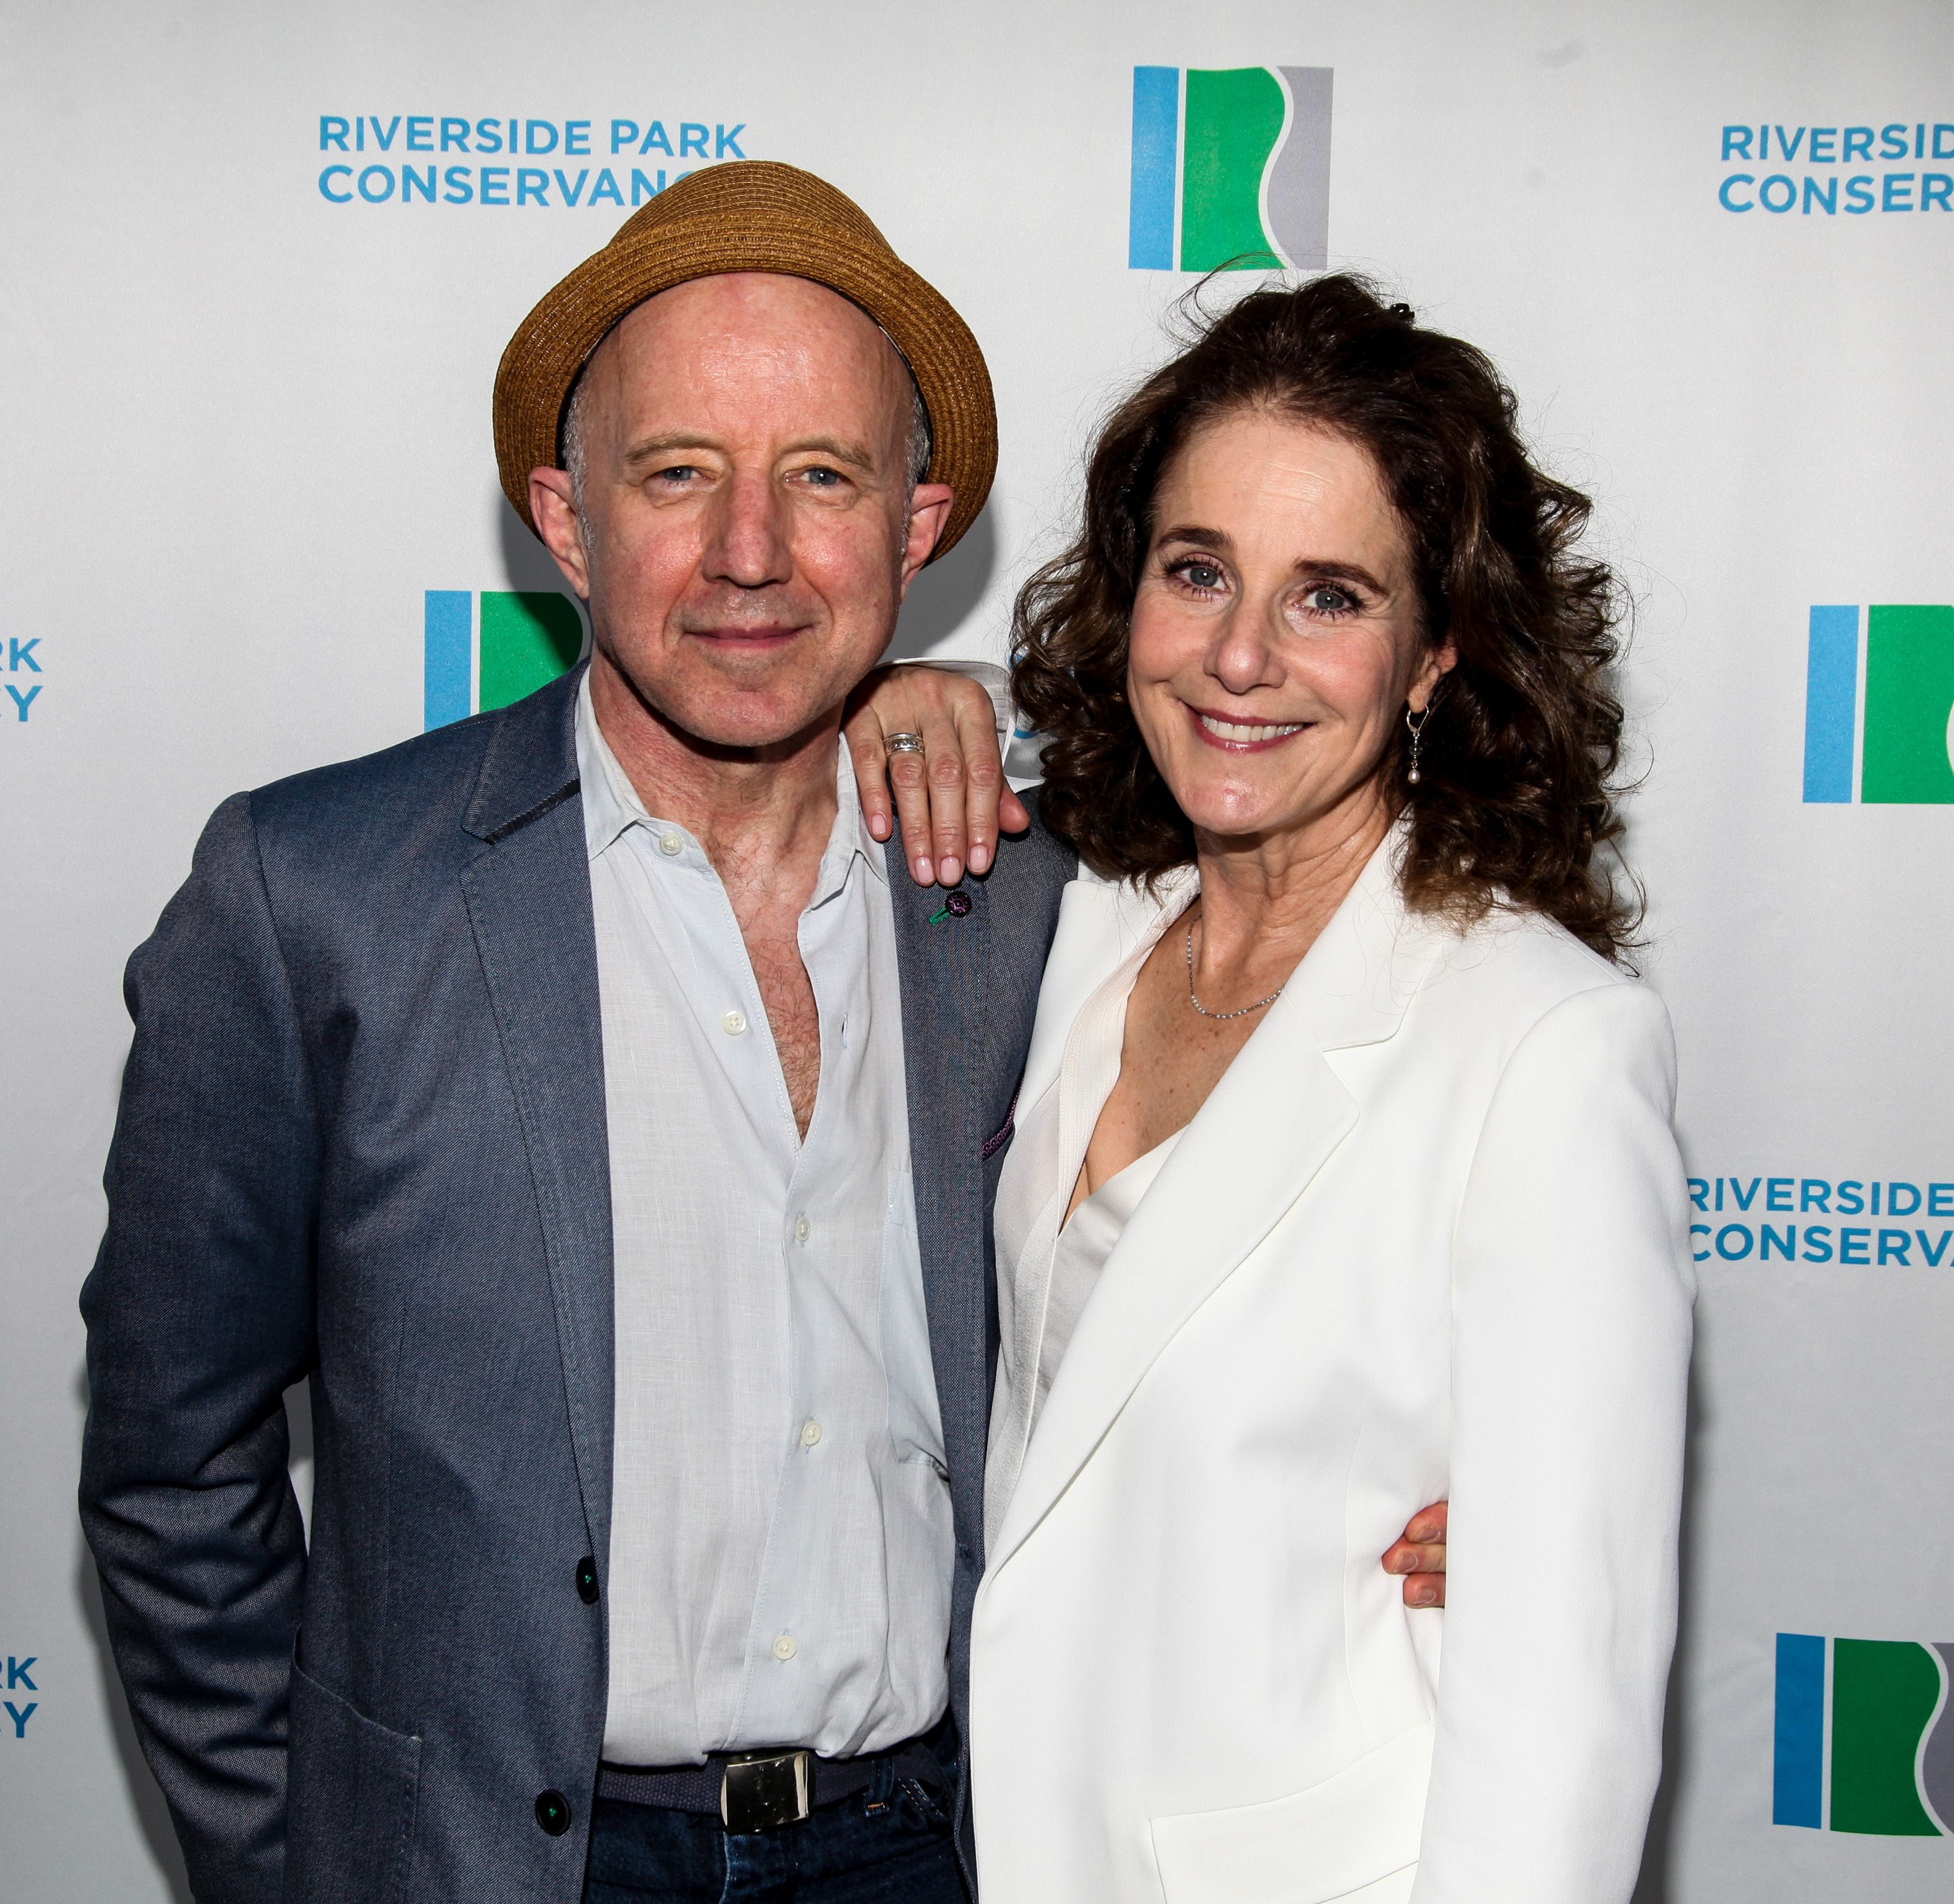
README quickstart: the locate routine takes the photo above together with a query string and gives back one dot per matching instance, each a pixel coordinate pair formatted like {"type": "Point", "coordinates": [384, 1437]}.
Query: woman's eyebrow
{"type": "Point", "coordinates": [1327, 568]}
{"type": "Point", "coordinates": [1333, 571]}
{"type": "Point", "coordinates": [1216, 538]}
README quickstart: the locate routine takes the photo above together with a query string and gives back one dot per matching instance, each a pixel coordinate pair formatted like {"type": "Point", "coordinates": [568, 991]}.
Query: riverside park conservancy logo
{"type": "Point", "coordinates": [21, 662]}
{"type": "Point", "coordinates": [1858, 1223]}
{"type": "Point", "coordinates": [1879, 706]}
{"type": "Point", "coordinates": [1863, 1739]}
{"type": "Point", "coordinates": [1231, 170]}
{"type": "Point", "coordinates": [16, 1675]}
{"type": "Point", "coordinates": [522, 640]}
{"type": "Point", "coordinates": [447, 158]}
{"type": "Point", "coordinates": [1821, 172]}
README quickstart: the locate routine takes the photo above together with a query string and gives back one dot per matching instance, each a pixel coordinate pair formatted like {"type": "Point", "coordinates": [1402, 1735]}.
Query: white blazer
{"type": "Point", "coordinates": [1426, 1238]}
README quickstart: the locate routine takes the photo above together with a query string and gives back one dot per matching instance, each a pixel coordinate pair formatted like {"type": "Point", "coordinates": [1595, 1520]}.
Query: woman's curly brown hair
{"type": "Point", "coordinates": [1514, 797]}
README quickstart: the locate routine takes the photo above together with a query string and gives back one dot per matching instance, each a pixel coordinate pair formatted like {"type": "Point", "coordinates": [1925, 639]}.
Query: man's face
{"type": "Point", "coordinates": [746, 533]}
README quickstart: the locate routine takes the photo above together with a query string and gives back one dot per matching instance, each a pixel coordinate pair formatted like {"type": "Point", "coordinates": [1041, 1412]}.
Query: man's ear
{"type": "Point", "coordinates": [553, 504]}
{"type": "Point", "coordinates": [929, 510]}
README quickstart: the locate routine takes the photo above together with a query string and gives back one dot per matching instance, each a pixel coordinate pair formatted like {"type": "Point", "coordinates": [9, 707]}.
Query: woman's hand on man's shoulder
{"type": "Point", "coordinates": [949, 793]}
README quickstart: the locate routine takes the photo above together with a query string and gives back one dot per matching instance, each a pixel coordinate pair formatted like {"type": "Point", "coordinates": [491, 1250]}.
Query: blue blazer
{"type": "Point", "coordinates": [362, 1141]}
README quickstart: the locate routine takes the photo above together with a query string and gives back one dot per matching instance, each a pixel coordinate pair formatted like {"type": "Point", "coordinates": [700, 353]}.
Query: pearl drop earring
{"type": "Point", "coordinates": [1417, 727]}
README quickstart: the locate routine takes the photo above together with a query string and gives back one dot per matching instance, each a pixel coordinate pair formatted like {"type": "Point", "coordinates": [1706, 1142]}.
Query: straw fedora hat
{"type": "Point", "coordinates": [749, 215]}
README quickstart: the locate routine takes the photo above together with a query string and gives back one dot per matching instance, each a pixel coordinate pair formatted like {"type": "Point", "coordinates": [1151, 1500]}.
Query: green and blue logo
{"type": "Point", "coordinates": [1863, 1739]}
{"type": "Point", "coordinates": [520, 641]}
{"type": "Point", "coordinates": [1231, 170]}
{"type": "Point", "coordinates": [1879, 706]}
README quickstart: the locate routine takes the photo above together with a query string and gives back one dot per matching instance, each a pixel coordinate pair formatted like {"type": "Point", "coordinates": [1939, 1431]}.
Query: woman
{"type": "Point", "coordinates": [1343, 1177]}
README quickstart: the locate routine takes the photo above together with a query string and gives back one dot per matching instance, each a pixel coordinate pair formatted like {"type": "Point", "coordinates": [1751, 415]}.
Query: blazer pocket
{"type": "Point", "coordinates": [350, 1791]}
{"type": "Point", "coordinates": [1336, 1839]}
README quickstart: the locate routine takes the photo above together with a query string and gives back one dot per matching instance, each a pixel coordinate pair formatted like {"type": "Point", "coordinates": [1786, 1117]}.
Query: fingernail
{"type": "Point", "coordinates": [879, 828]}
{"type": "Point", "coordinates": [980, 857]}
{"type": "Point", "coordinates": [1420, 1596]}
{"type": "Point", "coordinates": [952, 871]}
{"type": "Point", "coordinates": [924, 873]}
{"type": "Point", "coordinates": [1398, 1563]}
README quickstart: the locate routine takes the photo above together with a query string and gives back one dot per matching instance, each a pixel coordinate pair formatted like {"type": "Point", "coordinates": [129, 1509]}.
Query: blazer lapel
{"type": "Point", "coordinates": [1101, 922]}
{"type": "Point", "coordinates": [942, 974]}
{"type": "Point", "coordinates": [528, 895]}
{"type": "Point", "coordinates": [1276, 1116]}
{"type": "Point", "coordinates": [1102, 925]}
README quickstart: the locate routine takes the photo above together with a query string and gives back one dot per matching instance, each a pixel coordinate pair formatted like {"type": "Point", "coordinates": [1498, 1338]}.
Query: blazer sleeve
{"type": "Point", "coordinates": [1572, 1295]}
{"type": "Point", "coordinates": [199, 1314]}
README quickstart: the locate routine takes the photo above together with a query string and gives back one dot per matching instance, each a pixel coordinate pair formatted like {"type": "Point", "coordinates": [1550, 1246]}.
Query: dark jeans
{"type": "Point", "coordinates": [891, 1844]}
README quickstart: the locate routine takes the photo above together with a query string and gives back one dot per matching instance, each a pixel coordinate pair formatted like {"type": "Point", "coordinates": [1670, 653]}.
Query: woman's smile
{"type": "Point", "coordinates": [1243, 737]}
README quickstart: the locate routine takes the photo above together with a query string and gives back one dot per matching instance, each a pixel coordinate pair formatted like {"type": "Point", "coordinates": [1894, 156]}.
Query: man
{"type": "Point", "coordinates": [573, 1094]}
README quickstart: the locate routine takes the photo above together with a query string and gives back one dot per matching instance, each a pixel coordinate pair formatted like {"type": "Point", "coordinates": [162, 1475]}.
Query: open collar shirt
{"type": "Point", "coordinates": [781, 1546]}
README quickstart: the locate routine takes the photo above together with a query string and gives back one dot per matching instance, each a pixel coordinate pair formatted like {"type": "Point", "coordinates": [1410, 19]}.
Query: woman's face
{"type": "Point", "coordinates": [1275, 636]}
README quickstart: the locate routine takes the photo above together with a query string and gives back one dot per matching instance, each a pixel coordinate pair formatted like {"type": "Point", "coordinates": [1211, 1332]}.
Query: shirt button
{"type": "Point", "coordinates": [553, 1813]}
{"type": "Point", "coordinates": [786, 1647]}
{"type": "Point", "coordinates": [810, 1433]}
{"type": "Point", "coordinates": [735, 1023]}
{"type": "Point", "coordinates": [802, 1230]}
{"type": "Point", "coordinates": [670, 845]}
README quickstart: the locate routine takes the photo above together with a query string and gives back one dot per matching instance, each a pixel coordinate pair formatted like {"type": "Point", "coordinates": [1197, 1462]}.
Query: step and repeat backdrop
{"type": "Point", "coordinates": [261, 263]}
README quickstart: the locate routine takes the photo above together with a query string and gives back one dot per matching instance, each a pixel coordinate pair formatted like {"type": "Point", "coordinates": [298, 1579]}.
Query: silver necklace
{"type": "Point", "coordinates": [1218, 1016]}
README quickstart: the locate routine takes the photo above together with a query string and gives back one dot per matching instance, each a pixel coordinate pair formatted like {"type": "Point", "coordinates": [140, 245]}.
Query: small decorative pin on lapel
{"type": "Point", "coordinates": [954, 907]}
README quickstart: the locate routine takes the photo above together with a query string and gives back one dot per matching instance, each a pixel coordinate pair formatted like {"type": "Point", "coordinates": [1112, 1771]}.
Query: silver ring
{"type": "Point", "coordinates": [903, 744]}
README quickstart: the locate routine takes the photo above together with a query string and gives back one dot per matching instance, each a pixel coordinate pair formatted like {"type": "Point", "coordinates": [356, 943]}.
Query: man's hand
{"type": "Point", "coordinates": [1420, 1557]}
{"type": "Point", "coordinates": [952, 797]}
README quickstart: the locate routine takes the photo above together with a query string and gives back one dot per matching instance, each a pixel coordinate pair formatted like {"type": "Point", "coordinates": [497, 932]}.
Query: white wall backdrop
{"type": "Point", "coordinates": [246, 431]}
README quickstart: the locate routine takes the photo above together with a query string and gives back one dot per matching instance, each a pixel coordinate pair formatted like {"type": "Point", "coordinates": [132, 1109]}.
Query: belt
{"type": "Point", "coordinates": [761, 1791]}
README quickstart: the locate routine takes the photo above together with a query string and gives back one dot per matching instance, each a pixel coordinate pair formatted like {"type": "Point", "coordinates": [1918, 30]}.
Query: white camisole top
{"type": "Point", "coordinates": [1048, 1265]}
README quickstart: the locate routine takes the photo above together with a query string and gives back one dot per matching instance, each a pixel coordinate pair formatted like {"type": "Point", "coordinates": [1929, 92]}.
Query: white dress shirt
{"type": "Point", "coordinates": [781, 1547]}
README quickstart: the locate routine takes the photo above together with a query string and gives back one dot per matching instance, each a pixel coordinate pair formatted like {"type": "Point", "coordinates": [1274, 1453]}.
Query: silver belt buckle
{"type": "Point", "coordinates": [762, 1791]}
